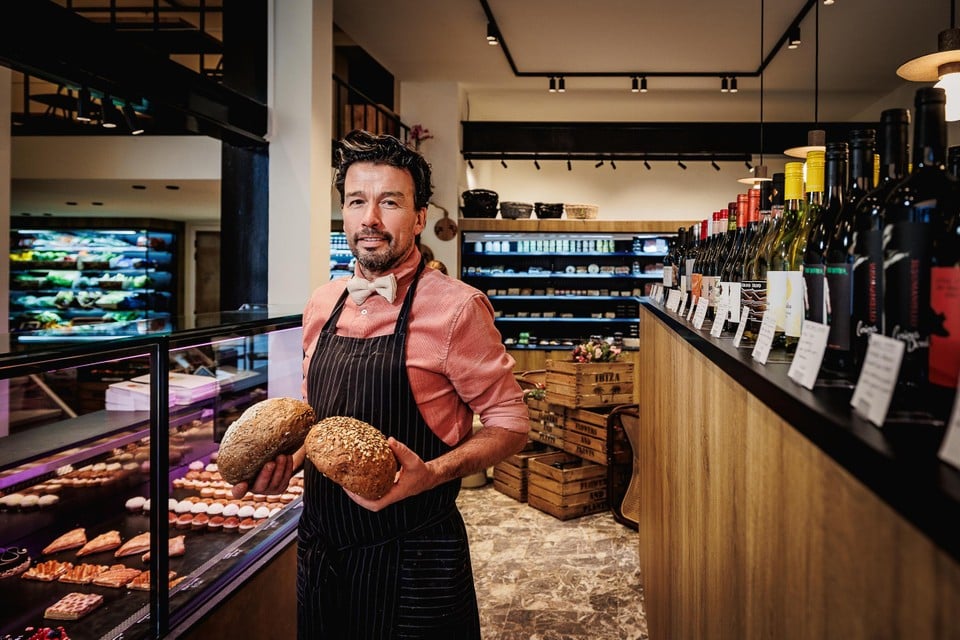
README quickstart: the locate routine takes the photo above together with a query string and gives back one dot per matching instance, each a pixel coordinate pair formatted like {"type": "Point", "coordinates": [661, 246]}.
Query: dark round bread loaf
{"type": "Point", "coordinates": [264, 431]}
{"type": "Point", "coordinates": [353, 454]}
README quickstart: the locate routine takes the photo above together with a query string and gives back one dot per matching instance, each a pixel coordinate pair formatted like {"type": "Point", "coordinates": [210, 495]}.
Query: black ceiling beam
{"type": "Point", "coordinates": [666, 138]}
{"type": "Point", "coordinates": [51, 42]}
{"type": "Point", "coordinates": [778, 45]}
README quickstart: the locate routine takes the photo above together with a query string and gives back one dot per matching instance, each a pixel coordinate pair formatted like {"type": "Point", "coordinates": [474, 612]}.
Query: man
{"type": "Point", "coordinates": [415, 354]}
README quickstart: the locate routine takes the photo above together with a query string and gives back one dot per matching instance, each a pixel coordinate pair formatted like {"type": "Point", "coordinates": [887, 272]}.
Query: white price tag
{"type": "Point", "coordinates": [741, 326]}
{"type": "Point", "coordinates": [809, 355]}
{"type": "Point", "coordinates": [950, 449]}
{"type": "Point", "coordinates": [878, 378]}
{"type": "Point", "coordinates": [683, 304]}
{"type": "Point", "coordinates": [702, 305]}
{"type": "Point", "coordinates": [693, 305]}
{"type": "Point", "coordinates": [673, 300]}
{"type": "Point", "coordinates": [719, 320]}
{"type": "Point", "coordinates": [768, 328]}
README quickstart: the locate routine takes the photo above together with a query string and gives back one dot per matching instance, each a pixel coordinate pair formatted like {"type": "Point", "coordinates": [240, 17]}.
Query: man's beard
{"type": "Point", "coordinates": [376, 261]}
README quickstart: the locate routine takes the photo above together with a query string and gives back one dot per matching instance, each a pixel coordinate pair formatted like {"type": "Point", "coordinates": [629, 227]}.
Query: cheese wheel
{"type": "Point", "coordinates": [265, 430]}
{"type": "Point", "coordinates": [353, 454]}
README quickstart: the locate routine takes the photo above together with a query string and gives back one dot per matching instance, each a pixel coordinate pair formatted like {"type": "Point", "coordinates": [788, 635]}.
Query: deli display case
{"type": "Point", "coordinates": [77, 273]}
{"type": "Point", "coordinates": [96, 503]}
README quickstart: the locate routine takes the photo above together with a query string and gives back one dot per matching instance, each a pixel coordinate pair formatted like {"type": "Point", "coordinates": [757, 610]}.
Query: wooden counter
{"type": "Point", "coordinates": [764, 509]}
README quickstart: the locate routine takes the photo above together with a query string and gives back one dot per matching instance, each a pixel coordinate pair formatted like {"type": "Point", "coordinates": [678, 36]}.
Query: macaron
{"type": "Point", "coordinates": [184, 506]}
{"type": "Point", "coordinates": [247, 524]}
{"type": "Point", "coordinates": [184, 521]}
{"type": "Point", "coordinates": [231, 524]}
{"type": "Point", "coordinates": [231, 510]}
{"type": "Point", "coordinates": [245, 512]}
{"type": "Point", "coordinates": [216, 523]}
{"type": "Point", "coordinates": [48, 500]}
{"type": "Point", "coordinates": [135, 503]}
{"type": "Point", "coordinates": [261, 512]}
{"type": "Point", "coordinates": [198, 507]}
{"type": "Point", "coordinates": [196, 465]}
{"type": "Point", "coordinates": [200, 521]}
{"type": "Point", "coordinates": [215, 509]}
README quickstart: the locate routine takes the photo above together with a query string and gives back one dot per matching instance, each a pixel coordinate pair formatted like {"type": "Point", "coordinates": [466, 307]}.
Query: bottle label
{"type": "Point", "coordinates": [689, 271]}
{"type": "Point", "coordinates": [708, 288]}
{"type": "Point", "coordinates": [867, 313]}
{"type": "Point", "coordinates": [730, 294]}
{"type": "Point", "coordinates": [696, 285]}
{"type": "Point", "coordinates": [906, 267]}
{"type": "Point", "coordinates": [777, 298]}
{"type": "Point", "coordinates": [945, 332]}
{"type": "Point", "coordinates": [814, 300]}
{"type": "Point", "coordinates": [839, 305]}
{"type": "Point", "coordinates": [753, 293]}
{"type": "Point", "coordinates": [793, 306]}
{"type": "Point", "coordinates": [667, 276]}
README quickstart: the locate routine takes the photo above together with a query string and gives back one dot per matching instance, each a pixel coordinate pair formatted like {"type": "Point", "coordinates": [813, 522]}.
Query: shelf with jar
{"type": "Point", "coordinates": [553, 283]}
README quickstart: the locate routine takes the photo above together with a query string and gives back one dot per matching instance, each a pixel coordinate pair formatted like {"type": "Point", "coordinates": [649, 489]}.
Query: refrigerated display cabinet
{"type": "Point", "coordinates": [62, 470]}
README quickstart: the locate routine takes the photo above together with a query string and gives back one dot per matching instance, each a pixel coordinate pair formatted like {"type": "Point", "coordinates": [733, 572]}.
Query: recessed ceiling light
{"type": "Point", "coordinates": [138, 186]}
{"type": "Point", "coordinates": [172, 187]}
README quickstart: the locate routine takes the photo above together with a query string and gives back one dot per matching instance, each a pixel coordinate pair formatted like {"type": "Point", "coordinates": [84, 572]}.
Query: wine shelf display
{"type": "Point", "coordinates": [554, 288]}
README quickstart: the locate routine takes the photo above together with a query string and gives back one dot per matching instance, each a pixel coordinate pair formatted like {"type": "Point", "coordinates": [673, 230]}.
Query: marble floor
{"type": "Point", "coordinates": [539, 578]}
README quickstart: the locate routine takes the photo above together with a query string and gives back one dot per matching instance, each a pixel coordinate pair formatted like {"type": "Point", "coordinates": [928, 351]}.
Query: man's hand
{"type": "Point", "coordinates": [413, 477]}
{"type": "Point", "coordinates": [273, 478]}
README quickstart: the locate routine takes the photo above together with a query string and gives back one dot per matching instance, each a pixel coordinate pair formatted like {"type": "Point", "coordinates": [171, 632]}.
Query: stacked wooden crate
{"type": "Point", "coordinates": [566, 486]}
{"type": "Point", "coordinates": [546, 422]}
{"type": "Point", "coordinates": [587, 437]}
{"type": "Point", "coordinates": [510, 475]}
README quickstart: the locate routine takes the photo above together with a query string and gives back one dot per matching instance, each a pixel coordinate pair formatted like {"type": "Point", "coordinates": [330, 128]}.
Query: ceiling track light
{"type": "Point", "coordinates": [681, 165]}
{"type": "Point", "coordinates": [828, 2]}
{"type": "Point", "coordinates": [569, 166]}
{"type": "Point", "coordinates": [536, 164]}
{"type": "Point", "coordinates": [493, 39]}
{"type": "Point", "coordinates": [733, 85]}
{"type": "Point", "coordinates": [553, 84]}
{"type": "Point", "coordinates": [503, 163]}
{"type": "Point", "coordinates": [599, 164]}
{"type": "Point", "coordinates": [635, 84]}
{"type": "Point", "coordinates": [130, 115]}
{"type": "Point", "coordinates": [561, 85]}
{"type": "Point", "coordinates": [647, 165]}
{"type": "Point", "coordinates": [643, 84]}
{"type": "Point", "coordinates": [613, 165]}
{"type": "Point", "coordinates": [470, 163]}
{"type": "Point", "coordinates": [83, 105]}
{"type": "Point", "coordinates": [793, 39]}
{"type": "Point", "coordinates": [108, 113]}
{"type": "Point", "coordinates": [713, 163]}
{"type": "Point", "coordinates": [724, 85]}
{"type": "Point", "coordinates": [747, 164]}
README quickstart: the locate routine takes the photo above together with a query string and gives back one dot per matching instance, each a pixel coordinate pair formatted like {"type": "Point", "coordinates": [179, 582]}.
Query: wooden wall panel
{"type": "Point", "coordinates": [747, 530]}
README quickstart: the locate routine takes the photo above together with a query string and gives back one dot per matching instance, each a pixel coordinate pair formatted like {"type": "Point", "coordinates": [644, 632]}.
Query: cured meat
{"type": "Point", "coordinates": [70, 540]}
{"type": "Point", "coordinates": [104, 542]}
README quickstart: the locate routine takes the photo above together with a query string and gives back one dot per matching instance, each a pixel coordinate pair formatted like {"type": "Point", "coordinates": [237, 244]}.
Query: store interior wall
{"type": "Point", "coordinates": [5, 162]}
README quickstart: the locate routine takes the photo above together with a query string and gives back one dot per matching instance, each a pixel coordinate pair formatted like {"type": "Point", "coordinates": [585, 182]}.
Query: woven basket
{"type": "Point", "coordinates": [514, 210]}
{"type": "Point", "coordinates": [581, 211]}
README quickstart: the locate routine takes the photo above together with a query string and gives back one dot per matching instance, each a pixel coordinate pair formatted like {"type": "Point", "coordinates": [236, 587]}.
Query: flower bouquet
{"type": "Point", "coordinates": [596, 351]}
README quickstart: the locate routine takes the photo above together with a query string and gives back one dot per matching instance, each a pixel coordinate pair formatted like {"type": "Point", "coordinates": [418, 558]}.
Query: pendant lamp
{"type": "Point", "coordinates": [760, 171]}
{"type": "Point", "coordinates": [942, 67]}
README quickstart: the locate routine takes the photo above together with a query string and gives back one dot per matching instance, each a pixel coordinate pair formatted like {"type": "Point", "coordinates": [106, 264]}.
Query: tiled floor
{"type": "Point", "coordinates": [539, 578]}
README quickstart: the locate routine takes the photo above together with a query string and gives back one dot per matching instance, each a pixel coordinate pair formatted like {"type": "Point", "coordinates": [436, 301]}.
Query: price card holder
{"type": "Point", "coordinates": [741, 326]}
{"type": "Point", "coordinates": [761, 350]}
{"type": "Point", "coordinates": [681, 310]}
{"type": "Point", "coordinates": [693, 305]}
{"type": "Point", "coordinates": [723, 310]}
{"type": "Point", "coordinates": [673, 300]}
{"type": "Point", "coordinates": [702, 305]}
{"type": "Point", "coordinates": [878, 378]}
{"type": "Point", "coordinates": [809, 355]}
{"type": "Point", "coordinates": [950, 449]}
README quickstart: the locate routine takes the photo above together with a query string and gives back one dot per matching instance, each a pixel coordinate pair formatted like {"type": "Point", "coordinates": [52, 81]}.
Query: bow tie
{"type": "Point", "coordinates": [360, 289]}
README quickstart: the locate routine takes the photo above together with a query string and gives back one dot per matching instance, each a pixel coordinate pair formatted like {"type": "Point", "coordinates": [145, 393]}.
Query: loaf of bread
{"type": "Point", "coordinates": [265, 430]}
{"type": "Point", "coordinates": [353, 454]}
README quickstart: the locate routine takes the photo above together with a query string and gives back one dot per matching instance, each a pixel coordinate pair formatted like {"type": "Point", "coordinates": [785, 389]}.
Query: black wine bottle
{"type": "Point", "coordinates": [814, 253]}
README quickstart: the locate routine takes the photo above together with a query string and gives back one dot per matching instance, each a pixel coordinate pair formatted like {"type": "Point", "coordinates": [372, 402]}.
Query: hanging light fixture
{"type": "Point", "coordinates": [110, 115]}
{"type": "Point", "coordinates": [793, 39]}
{"type": "Point", "coordinates": [816, 138]}
{"type": "Point", "coordinates": [635, 84]}
{"type": "Point", "coordinates": [759, 173]}
{"type": "Point", "coordinates": [130, 115]}
{"type": "Point", "coordinates": [942, 67]}
{"type": "Point", "coordinates": [733, 85]}
{"type": "Point", "coordinates": [561, 85]}
{"type": "Point", "coordinates": [553, 84]}
{"type": "Point", "coordinates": [493, 39]}
{"type": "Point", "coordinates": [643, 84]}
{"type": "Point", "coordinates": [83, 105]}
{"type": "Point", "coordinates": [724, 85]}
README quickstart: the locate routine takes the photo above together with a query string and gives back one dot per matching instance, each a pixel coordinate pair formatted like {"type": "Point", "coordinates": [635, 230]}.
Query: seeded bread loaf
{"type": "Point", "coordinates": [353, 454]}
{"type": "Point", "coordinates": [264, 431]}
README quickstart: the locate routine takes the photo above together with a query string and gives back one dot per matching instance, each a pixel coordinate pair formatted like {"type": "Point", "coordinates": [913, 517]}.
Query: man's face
{"type": "Point", "coordinates": [379, 216]}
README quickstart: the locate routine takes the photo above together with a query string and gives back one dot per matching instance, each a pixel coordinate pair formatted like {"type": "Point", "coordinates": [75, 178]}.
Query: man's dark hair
{"type": "Point", "coordinates": [361, 146]}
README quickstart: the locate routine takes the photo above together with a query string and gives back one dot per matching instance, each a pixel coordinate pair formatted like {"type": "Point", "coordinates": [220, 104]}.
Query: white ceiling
{"type": "Point", "coordinates": [861, 44]}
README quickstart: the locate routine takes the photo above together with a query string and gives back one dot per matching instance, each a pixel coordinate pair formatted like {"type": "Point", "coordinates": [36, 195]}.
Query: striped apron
{"type": "Point", "coordinates": [403, 572]}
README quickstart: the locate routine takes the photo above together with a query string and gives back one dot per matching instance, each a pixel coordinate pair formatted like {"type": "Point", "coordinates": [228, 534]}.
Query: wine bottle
{"type": "Point", "coordinates": [944, 359]}
{"type": "Point", "coordinates": [916, 210]}
{"type": "Point", "coordinates": [868, 224]}
{"type": "Point", "coordinates": [666, 278]}
{"type": "Point", "coordinates": [753, 285]}
{"type": "Point", "coordinates": [747, 219]}
{"type": "Point", "coordinates": [778, 255]}
{"type": "Point", "coordinates": [696, 272]}
{"type": "Point", "coordinates": [839, 258]}
{"type": "Point", "coordinates": [814, 253]}
{"type": "Point", "coordinates": [731, 239]}
{"type": "Point", "coordinates": [810, 211]}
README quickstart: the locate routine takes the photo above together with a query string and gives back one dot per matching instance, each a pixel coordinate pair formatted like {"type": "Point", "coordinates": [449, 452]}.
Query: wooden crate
{"type": "Point", "coordinates": [569, 512]}
{"type": "Point", "coordinates": [510, 476]}
{"type": "Point", "coordinates": [593, 449]}
{"type": "Point", "coordinates": [573, 472]}
{"type": "Point", "coordinates": [588, 384]}
{"type": "Point", "coordinates": [517, 493]}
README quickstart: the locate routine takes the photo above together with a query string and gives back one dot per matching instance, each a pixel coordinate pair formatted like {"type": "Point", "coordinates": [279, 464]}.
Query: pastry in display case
{"type": "Point", "coordinates": [94, 504]}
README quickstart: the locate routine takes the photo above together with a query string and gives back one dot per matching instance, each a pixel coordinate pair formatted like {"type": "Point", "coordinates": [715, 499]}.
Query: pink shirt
{"type": "Point", "coordinates": [455, 358]}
